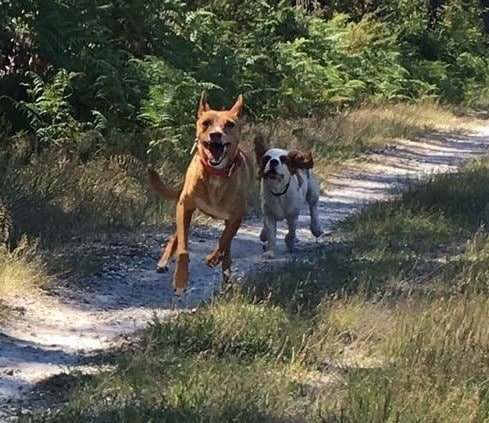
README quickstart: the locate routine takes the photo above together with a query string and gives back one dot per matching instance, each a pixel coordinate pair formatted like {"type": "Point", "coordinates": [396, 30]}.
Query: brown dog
{"type": "Point", "coordinates": [217, 183]}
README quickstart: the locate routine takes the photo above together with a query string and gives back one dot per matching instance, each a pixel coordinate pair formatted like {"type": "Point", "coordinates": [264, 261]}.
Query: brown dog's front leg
{"type": "Point", "coordinates": [180, 277]}
{"type": "Point", "coordinates": [223, 250]}
{"type": "Point", "coordinates": [226, 266]}
{"type": "Point", "coordinates": [167, 254]}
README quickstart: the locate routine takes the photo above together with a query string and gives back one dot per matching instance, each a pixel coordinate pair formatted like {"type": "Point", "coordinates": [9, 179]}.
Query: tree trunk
{"type": "Point", "coordinates": [434, 14]}
{"type": "Point", "coordinates": [485, 14]}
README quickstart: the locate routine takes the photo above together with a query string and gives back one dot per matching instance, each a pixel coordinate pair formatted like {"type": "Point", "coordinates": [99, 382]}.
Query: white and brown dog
{"type": "Point", "coordinates": [286, 180]}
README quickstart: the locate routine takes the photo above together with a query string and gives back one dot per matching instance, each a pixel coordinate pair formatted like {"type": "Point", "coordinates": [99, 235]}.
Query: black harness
{"type": "Point", "coordinates": [278, 194]}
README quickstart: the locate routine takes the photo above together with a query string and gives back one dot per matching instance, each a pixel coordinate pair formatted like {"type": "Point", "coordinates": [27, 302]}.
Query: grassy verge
{"type": "Point", "coordinates": [389, 325]}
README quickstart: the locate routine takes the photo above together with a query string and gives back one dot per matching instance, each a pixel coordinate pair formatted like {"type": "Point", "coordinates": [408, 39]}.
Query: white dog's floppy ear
{"type": "Point", "coordinates": [299, 160]}
{"type": "Point", "coordinates": [237, 109]}
{"type": "Point", "coordinates": [203, 104]}
{"type": "Point", "coordinates": [260, 150]}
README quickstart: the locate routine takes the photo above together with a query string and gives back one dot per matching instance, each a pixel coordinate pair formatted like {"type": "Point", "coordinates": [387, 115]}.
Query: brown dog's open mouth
{"type": "Point", "coordinates": [216, 152]}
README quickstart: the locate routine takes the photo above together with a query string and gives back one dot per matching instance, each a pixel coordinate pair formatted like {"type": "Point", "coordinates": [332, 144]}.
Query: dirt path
{"type": "Point", "coordinates": [51, 334]}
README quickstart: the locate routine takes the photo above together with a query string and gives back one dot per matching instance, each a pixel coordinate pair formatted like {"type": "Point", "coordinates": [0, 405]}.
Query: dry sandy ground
{"type": "Point", "coordinates": [51, 333]}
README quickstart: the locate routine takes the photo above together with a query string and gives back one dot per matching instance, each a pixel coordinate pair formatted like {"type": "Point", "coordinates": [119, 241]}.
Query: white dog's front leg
{"type": "Point", "coordinates": [312, 198]}
{"type": "Point", "coordinates": [315, 225]}
{"type": "Point", "coordinates": [271, 236]}
{"type": "Point", "coordinates": [290, 237]}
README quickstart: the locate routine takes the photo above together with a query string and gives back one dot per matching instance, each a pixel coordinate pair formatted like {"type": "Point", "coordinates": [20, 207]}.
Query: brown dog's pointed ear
{"type": "Point", "coordinates": [203, 104]}
{"type": "Point", "coordinates": [260, 148]}
{"type": "Point", "coordinates": [299, 160]}
{"type": "Point", "coordinates": [237, 109]}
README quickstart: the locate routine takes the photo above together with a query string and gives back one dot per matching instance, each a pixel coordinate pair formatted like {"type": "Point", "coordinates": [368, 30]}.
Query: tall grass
{"type": "Point", "coordinates": [55, 201]}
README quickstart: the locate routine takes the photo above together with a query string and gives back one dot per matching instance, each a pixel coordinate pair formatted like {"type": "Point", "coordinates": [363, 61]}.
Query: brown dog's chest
{"type": "Point", "coordinates": [217, 198]}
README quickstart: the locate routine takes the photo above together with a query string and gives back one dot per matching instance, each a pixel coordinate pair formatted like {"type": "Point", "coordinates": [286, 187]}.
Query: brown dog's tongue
{"type": "Point", "coordinates": [216, 150]}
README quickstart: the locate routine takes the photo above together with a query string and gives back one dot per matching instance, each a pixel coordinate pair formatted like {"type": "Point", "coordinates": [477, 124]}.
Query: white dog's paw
{"type": "Point", "coordinates": [316, 230]}
{"type": "Point", "coordinates": [290, 242]}
{"type": "Point", "coordinates": [324, 234]}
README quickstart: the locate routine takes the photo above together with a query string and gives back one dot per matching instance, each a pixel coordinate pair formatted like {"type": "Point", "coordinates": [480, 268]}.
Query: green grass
{"type": "Point", "coordinates": [390, 325]}
{"type": "Point", "coordinates": [54, 201]}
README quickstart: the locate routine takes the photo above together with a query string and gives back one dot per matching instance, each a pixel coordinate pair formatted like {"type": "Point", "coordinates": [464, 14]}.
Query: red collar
{"type": "Point", "coordinates": [223, 173]}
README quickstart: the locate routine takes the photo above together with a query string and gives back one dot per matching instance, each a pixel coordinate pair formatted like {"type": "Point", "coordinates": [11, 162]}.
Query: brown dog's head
{"type": "Point", "coordinates": [218, 132]}
{"type": "Point", "coordinates": [276, 164]}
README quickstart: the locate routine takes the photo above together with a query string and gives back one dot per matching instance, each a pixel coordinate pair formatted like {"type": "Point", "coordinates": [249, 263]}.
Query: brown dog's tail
{"type": "Point", "coordinates": [168, 193]}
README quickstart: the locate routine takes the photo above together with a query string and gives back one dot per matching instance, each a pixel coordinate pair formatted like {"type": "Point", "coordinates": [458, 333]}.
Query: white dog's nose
{"type": "Point", "coordinates": [273, 163]}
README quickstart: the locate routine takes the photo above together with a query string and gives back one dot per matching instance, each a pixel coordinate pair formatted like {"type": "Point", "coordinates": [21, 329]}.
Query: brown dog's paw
{"type": "Point", "coordinates": [162, 266]}
{"type": "Point", "coordinates": [161, 269]}
{"type": "Point", "coordinates": [180, 277]}
{"type": "Point", "coordinates": [180, 291]}
{"type": "Point", "coordinates": [214, 258]}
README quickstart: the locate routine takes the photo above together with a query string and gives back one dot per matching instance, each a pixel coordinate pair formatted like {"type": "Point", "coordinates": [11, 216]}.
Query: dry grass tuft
{"type": "Point", "coordinates": [21, 269]}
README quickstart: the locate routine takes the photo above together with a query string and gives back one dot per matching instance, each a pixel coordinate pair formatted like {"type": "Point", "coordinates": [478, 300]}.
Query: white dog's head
{"type": "Point", "coordinates": [277, 164]}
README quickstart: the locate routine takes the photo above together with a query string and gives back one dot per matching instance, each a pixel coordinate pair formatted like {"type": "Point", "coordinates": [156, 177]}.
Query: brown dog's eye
{"type": "Point", "coordinates": [229, 124]}
{"type": "Point", "coordinates": [206, 123]}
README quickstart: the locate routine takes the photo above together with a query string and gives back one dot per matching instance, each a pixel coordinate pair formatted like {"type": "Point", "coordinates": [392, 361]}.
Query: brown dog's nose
{"type": "Point", "coordinates": [216, 136]}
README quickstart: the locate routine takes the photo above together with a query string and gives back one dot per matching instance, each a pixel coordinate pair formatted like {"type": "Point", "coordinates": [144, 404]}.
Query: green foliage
{"type": "Point", "coordinates": [51, 115]}
{"type": "Point", "coordinates": [140, 66]}
{"type": "Point", "coordinates": [171, 107]}
{"type": "Point", "coordinates": [343, 63]}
